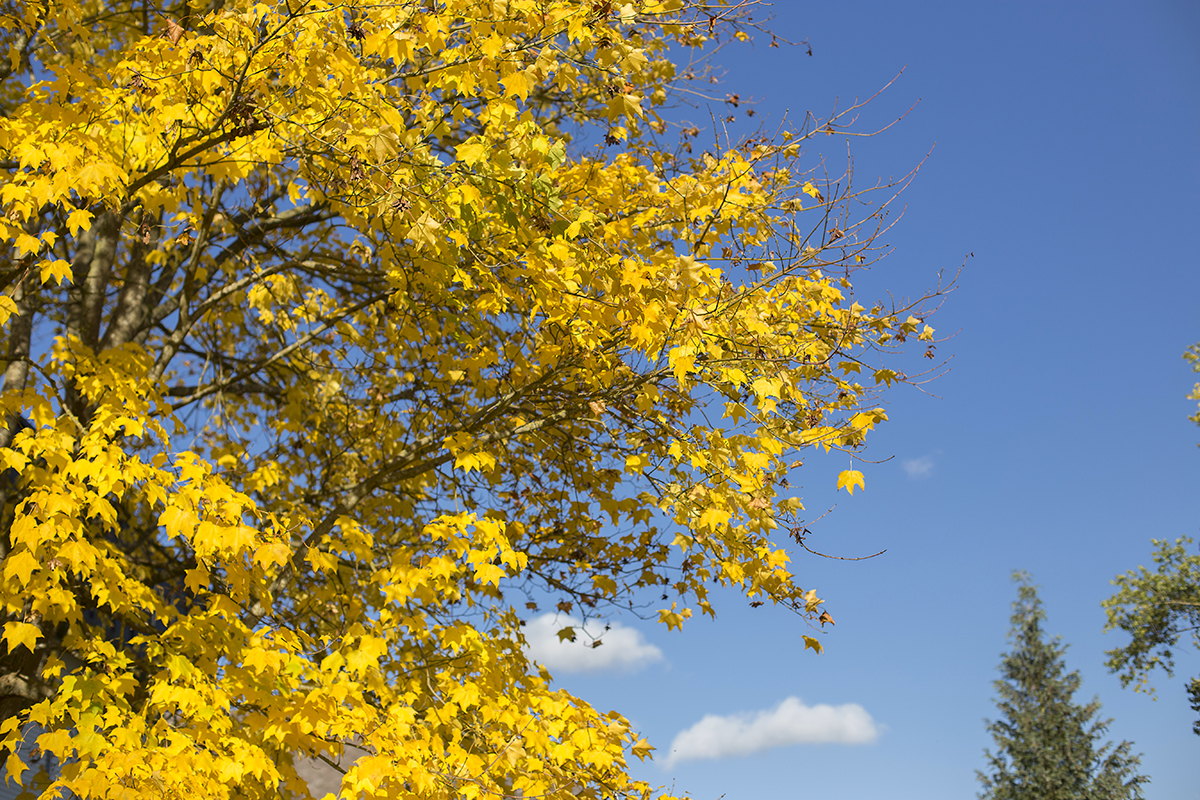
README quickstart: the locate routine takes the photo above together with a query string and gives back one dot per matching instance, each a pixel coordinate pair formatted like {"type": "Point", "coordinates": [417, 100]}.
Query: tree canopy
{"type": "Point", "coordinates": [1046, 744]}
{"type": "Point", "coordinates": [340, 335]}
{"type": "Point", "coordinates": [1159, 609]}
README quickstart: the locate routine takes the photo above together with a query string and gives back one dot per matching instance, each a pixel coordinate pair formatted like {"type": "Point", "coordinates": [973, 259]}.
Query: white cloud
{"type": "Point", "coordinates": [621, 648]}
{"type": "Point", "coordinates": [790, 722]}
{"type": "Point", "coordinates": [919, 467]}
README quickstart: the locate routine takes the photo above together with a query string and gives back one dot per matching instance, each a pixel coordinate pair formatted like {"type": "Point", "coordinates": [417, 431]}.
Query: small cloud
{"type": "Point", "coordinates": [791, 722]}
{"type": "Point", "coordinates": [620, 648]}
{"type": "Point", "coordinates": [919, 467]}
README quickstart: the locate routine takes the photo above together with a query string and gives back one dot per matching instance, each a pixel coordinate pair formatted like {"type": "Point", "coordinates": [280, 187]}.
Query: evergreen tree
{"type": "Point", "coordinates": [1046, 744]}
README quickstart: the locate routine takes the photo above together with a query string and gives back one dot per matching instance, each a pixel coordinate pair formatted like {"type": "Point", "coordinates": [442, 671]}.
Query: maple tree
{"type": "Point", "coordinates": [332, 328]}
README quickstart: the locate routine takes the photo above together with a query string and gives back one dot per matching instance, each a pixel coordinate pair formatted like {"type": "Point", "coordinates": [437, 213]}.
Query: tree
{"type": "Point", "coordinates": [1045, 743]}
{"type": "Point", "coordinates": [341, 334]}
{"type": "Point", "coordinates": [1158, 608]}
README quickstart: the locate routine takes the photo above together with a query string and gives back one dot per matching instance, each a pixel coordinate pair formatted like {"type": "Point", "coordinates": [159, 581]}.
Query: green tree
{"type": "Point", "coordinates": [1046, 745]}
{"type": "Point", "coordinates": [1159, 608]}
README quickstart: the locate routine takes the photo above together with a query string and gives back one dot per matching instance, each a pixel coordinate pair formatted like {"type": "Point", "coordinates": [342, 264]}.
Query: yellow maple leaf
{"type": "Point", "coordinates": [471, 152]}
{"type": "Point", "coordinates": [642, 748]}
{"type": "Point", "coordinates": [516, 85]}
{"type": "Point", "coordinates": [58, 269]}
{"type": "Point", "coordinates": [674, 619]}
{"type": "Point", "coordinates": [492, 46]}
{"type": "Point", "coordinates": [21, 634]}
{"type": "Point", "coordinates": [7, 308]}
{"type": "Point", "coordinates": [20, 564]}
{"type": "Point", "coordinates": [714, 518]}
{"type": "Point", "coordinates": [849, 478]}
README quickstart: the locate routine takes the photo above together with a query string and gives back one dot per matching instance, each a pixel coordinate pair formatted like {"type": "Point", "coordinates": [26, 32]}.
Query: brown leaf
{"type": "Point", "coordinates": [825, 618]}
{"type": "Point", "coordinates": [174, 31]}
{"type": "Point", "coordinates": [565, 606]}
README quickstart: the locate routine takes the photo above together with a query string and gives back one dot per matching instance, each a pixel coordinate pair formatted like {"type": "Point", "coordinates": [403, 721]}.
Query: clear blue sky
{"type": "Point", "coordinates": [1067, 161]}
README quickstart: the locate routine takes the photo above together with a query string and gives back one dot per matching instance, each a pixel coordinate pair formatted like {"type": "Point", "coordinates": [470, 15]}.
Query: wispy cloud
{"type": "Point", "coordinates": [621, 648]}
{"type": "Point", "coordinates": [791, 722]}
{"type": "Point", "coordinates": [919, 467]}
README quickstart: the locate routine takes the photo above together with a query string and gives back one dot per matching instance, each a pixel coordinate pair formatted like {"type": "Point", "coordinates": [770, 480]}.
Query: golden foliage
{"type": "Point", "coordinates": [328, 331]}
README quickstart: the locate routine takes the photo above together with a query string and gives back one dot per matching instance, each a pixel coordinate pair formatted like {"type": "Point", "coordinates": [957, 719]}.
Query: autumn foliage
{"type": "Point", "coordinates": [340, 335]}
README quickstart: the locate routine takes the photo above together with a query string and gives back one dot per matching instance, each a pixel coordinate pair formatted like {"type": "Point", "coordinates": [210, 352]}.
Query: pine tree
{"type": "Point", "coordinates": [1047, 744]}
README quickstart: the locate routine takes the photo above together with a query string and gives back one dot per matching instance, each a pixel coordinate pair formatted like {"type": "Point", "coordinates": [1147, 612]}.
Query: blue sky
{"type": "Point", "coordinates": [1067, 161]}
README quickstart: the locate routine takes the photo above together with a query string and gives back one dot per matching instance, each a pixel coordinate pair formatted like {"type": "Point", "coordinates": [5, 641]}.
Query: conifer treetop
{"type": "Point", "coordinates": [1046, 744]}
